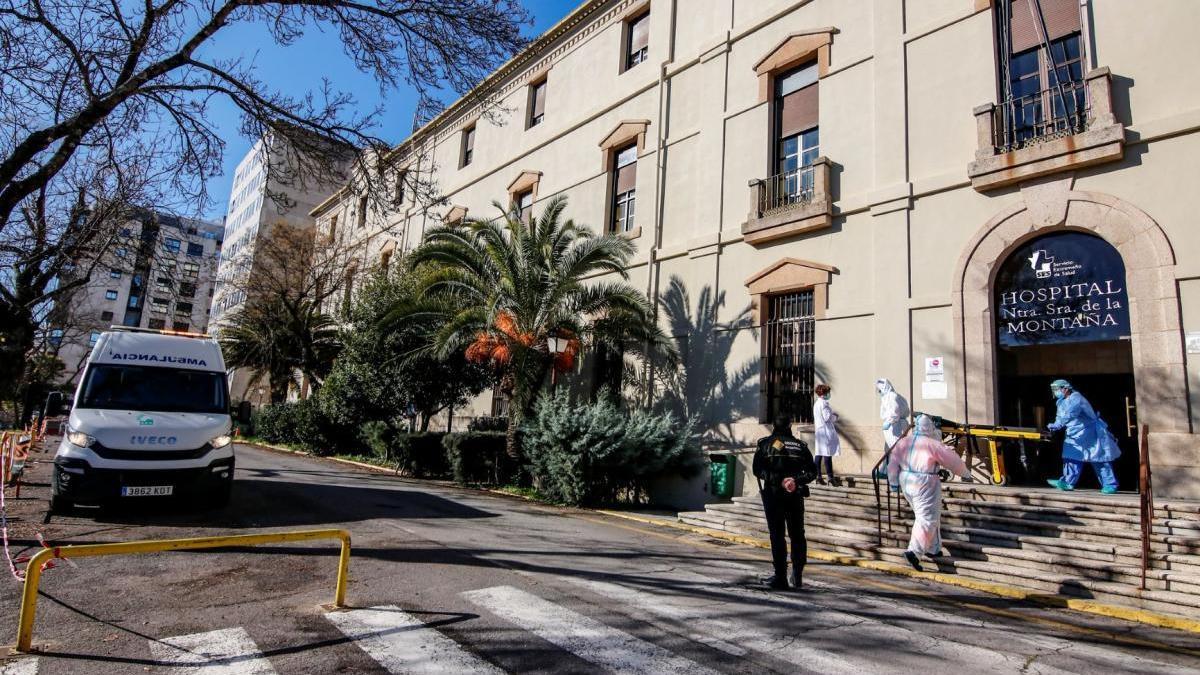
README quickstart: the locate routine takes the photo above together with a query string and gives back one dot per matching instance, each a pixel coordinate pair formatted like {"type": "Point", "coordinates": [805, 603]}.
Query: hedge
{"type": "Point", "coordinates": [478, 457]}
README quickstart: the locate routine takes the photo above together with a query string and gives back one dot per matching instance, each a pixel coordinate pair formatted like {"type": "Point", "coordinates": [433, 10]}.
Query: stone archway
{"type": "Point", "coordinates": [1158, 356]}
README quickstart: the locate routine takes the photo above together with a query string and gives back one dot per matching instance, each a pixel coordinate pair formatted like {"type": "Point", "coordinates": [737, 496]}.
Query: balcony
{"type": "Point", "coordinates": [1059, 129]}
{"type": "Point", "coordinates": [789, 204]}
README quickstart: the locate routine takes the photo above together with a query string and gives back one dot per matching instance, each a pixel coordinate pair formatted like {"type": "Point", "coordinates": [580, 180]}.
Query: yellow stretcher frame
{"type": "Point", "coordinates": [992, 435]}
{"type": "Point", "coordinates": [33, 571]}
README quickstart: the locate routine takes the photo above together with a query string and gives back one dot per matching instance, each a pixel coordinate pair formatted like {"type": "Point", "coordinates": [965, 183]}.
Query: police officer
{"type": "Point", "coordinates": [784, 466]}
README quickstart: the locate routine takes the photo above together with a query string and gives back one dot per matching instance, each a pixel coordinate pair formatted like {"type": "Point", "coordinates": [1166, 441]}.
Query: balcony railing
{"type": "Point", "coordinates": [786, 190]}
{"type": "Point", "coordinates": [789, 203]}
{"type": "Point", "coordinates": [1059, 129]}
{"type": "Point", "coordinates": [1042, 117]}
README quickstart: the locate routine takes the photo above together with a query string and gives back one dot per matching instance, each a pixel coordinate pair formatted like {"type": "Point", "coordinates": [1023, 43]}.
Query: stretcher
{"type": "Point", "coordinates": [966, 438]}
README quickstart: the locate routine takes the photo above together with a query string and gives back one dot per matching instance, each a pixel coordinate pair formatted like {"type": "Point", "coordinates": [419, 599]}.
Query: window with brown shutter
{"type": "Point", "coordinates": [1044, 92]}
{"type": "Point", "coordinates": [468, 147]}
{"type": "Point", "coordinates": [537, 103]}
{"type": "Point", "coordinates": [797, 144]}
{"type": "Point", "coordinates": [638, 40]}
{"type": "Point", "coordinates": [523, 205]}
{"type": "Point", "coordinates": [624, 189]}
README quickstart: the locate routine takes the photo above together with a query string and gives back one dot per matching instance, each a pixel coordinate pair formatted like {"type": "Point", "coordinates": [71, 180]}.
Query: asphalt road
{"type": "Point", "coordinates": [452, 581]}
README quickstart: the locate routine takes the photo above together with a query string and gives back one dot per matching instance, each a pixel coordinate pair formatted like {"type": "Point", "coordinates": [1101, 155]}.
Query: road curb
{"type": "Point", "coordinates": [1003, 590]}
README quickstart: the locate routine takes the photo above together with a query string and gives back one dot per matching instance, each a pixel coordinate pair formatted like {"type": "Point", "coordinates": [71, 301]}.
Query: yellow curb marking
{"type": "Point", "coordinates": [1055, 601]}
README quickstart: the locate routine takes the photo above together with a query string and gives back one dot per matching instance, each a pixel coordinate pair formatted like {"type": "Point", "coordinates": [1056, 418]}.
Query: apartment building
{"type": "Point", "coordinates": [970, 198]}
{"type": "Point", "coordinates": [269, 190]}
{"type": "Point", "coordinates": [160, 273]}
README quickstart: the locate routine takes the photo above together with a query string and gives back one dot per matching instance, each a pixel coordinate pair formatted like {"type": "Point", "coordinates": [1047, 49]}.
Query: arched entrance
{"type": "Point", "coordinates": [1062, 311]}
{"type": "Point", "coordinates": [1156, 344]}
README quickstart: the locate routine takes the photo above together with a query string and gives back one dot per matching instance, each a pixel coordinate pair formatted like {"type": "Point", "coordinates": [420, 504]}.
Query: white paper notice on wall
{"type": "Point", "coordinates": [1193, 342]}
{"type": "Point", "coordinates": [935, 369]}
{"type": "Point", "coordinates": [934, 391]}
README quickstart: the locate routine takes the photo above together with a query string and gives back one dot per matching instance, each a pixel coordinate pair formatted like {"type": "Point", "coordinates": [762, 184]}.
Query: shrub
{"type": "Point", "coordinates": [302, 424]}
{"type": "Point", "coordinates": [421, 454]}
{"type": "Point", "coordinates": [478, 457]}
{"type": "Point", "coordinates": [498, 423]}
{"type": "Point", "coordinates": [597, 452]}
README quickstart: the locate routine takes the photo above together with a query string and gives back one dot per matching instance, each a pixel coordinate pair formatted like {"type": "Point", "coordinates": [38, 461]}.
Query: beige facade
{"type": "Point", "coordinates": [909, 210]}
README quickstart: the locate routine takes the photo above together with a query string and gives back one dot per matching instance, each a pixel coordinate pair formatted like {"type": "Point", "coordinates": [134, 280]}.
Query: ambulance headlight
{"type": "Point", "coordinates": [221, 441]}
{"type": "Point", "coordinates": [79, 438]}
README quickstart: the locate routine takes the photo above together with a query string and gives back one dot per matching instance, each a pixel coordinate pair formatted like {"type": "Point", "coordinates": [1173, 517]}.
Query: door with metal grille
{"type": "Point", "coordinates": [789, 335]}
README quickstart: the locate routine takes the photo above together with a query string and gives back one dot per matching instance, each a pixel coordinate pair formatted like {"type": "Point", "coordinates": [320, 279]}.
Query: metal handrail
{"type": "Point", "coordinates": [33, 571]}
{"type": "Point", "coordinates": [1146, 501]}
{"type": "Point", "coordinates": [788, 189]}
{"type": "Point", "coordinates": [878, 505]}
{"type": "Point", "coordinates": [1022, 121]}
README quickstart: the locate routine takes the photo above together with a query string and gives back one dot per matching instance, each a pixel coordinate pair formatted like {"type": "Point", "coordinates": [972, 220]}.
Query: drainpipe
{"type": "Point", "coordinates": [652, 284]}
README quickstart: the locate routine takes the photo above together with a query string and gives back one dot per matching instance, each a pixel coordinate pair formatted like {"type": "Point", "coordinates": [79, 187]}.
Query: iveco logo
{"type": "Point", "coordinates": [145, 420]}
{"type": "Point", "coordinates": [153, 440]}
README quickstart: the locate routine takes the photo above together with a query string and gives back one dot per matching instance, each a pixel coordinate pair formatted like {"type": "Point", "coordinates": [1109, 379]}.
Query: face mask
{"type": "Point", "coordinates": [1058, 394]}
{"type": "Point", "coordinates": [826, 397]}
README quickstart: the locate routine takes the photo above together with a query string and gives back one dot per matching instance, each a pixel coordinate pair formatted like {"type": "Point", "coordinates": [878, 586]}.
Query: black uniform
{"type": "Point", "coordinates": [781, 456]}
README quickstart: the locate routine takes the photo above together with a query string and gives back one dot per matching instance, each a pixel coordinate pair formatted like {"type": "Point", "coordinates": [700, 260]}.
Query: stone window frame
{"type": "Point", "coordinates": [626, 132]}
{"type": "Point", "coordinates": [634, 13]}
{"type": "Point", "coordinates": [471, 128]}
{"type": "Point", "coordinates": [786, 275]}
{"type": "Point", "coordinates": [526, 181]}
{"type": "Point", "coordinates": [540, 78]}
{"type": "Point", "coordinates": [455, 216]}
{"type": "Point", "coordinates": [794, 50]}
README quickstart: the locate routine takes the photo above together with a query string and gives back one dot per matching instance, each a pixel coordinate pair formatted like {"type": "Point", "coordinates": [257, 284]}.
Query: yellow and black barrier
{"type": "Point", "coordinates": [33, 572]}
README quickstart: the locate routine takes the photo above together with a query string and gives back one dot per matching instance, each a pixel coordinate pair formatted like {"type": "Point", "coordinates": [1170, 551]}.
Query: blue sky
{"type": "Point", "coordinates": [299, 68]}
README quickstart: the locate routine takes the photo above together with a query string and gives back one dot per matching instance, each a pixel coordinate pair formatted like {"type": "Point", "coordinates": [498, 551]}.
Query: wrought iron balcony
{"type": "Point", "coordinates": [1061, 128]}
{"type": "Point", "coordinates": [789, 203]}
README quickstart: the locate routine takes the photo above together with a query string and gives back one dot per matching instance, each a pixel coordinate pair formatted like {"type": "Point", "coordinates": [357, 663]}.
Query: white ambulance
{"type": "Point", "coordinates": [150, 419]}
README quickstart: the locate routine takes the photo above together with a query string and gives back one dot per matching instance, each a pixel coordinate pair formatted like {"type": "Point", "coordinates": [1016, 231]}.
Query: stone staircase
{"type": "Point", "coordinates": [1080, 544]}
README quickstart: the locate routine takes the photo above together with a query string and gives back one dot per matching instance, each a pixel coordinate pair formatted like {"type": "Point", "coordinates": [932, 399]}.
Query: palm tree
{"type": "Point", "coordinates": [502, 289]}
{"type": "Point", "coordinates": [277, 339]}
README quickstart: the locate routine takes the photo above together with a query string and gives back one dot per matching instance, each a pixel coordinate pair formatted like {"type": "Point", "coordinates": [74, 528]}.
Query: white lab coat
{"type": "Point", "coordinates": [825, 429]}
{"type": "Point", "coordinates": [893, 411]}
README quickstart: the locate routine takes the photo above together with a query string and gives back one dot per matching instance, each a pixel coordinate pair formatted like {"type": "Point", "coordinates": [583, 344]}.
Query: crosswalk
{"type": "Point", "coordinates": [700, 609]}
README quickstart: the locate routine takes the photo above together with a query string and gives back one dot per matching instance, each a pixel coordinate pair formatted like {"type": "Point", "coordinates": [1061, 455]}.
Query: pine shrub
{"type": "Point", "coordinates": [595, 452]}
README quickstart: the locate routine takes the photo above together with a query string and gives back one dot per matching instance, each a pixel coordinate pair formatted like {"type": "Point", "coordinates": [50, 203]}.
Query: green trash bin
{"type": "Point", "coordinates": [721, 468]}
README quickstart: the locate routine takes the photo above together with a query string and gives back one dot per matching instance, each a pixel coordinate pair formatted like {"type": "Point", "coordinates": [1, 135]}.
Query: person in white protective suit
{"type": "Point", "coordinates": [825, 434]}
{"type": "Point", "coordinates": [913, 469]}
{"type": "Point", "coordinates": [893, 410]}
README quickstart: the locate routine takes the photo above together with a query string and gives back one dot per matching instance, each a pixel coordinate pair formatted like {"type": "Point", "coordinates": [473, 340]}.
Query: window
{"type": "Point", "coordinates": [126, 232]}
{"type": "Point", "coordinates": [181, 326]}
{"type": "Point", "coordinates": [333, 228]}
{"type": "Point", "coordinates": [1044, 94]}
{"type": "Point", "coordinates": [523, 205]}
{"type": "Point", "coordinates": [94, 338]}
{"type": "Point", "coordinates": [362, 212]}
{"type": "Point", "coordinates": [121, 252]}
{"type": "Point", "coordinates": [637, 40]}
{"type": "Point", "coordinates": [195, 249]}
{"type": "Point", "coordinates": [159, 305]}
{"type": "Point", "coordinates": [187, 290]}
{"type": "Point", "coordinates": [400, 181]}
{"type": "Point", "coordinates": [106, 316]}
{"type": "Point", "coordinates": [133, 301]}
{"type": "Point", "coordinates": [172, 245]}
{"type": "Point", "coordinates": [162, 285]}
{"type": "Point", "coordinates": [537, 103]}
{"type": "Point", "coordinates": [110, 295]}
{"type": "Point", "coordinates": [789, 358]}
{"type": "Point", "coordinates": [183, 308]}
{"type": "Point", "coordinates": [56, 337]}
{"type": "Point", "coordinates": [798, 136]}
{"type": "Point", "coordinates": [157, 324]}
{"type": "Point", "coordinates": [114, 274]}
{"type": "Point", "coordinates": [500, 402]}
{"type": "Point", "coordinates": [131, 319]}
{"type": "Point", "coordinates": [624, 189]}
{"type": "Point", "coordinates": [468, 146]}
{"type": "Point", "coordinates": [190, 270]}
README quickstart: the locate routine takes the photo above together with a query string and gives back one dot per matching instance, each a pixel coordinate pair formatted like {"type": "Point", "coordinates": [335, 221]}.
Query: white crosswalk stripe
{"type": "Point", "coordinates": [584, 637]}
{"type": "Point", "coordinates": [27, 666]}
{"type": "Point", "coordinates": [402, 643]}
{"type": "Point", "coordinates": [220, 652]}
{"type": "Point", "coordinates": [735, 637]}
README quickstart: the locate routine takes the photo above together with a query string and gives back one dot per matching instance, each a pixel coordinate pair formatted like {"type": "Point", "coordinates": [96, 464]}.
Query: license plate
{"type": "Point", "coordinates": [147, 490]}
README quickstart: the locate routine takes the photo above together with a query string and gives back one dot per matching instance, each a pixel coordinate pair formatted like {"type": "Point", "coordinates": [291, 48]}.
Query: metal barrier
{"type": "Point", "coordinates": [1146, 502]}
{"type": "Point", "coordinates": [33, 572]}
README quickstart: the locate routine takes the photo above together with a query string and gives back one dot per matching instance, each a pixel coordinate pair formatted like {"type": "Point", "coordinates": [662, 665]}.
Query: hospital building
{"type": "Point", "coordinates": [971, 198]}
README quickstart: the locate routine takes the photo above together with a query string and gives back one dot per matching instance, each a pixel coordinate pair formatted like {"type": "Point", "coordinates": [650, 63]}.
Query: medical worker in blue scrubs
{"type": "Point", "coordinates": [1087, 440]}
